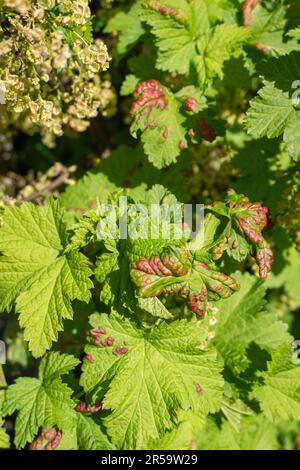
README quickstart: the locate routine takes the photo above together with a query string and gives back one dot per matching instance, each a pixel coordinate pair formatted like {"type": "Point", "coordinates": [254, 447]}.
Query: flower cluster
{"type": "Point", "coordinates": [50, 67]}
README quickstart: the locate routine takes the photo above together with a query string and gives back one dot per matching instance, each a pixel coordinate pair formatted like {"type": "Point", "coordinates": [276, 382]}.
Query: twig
{"type": "Point", "coordinates": [50, 188]}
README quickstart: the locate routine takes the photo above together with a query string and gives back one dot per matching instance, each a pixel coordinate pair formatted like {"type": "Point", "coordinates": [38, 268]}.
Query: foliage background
{"type": "Point", "coordinates": [239, 72]}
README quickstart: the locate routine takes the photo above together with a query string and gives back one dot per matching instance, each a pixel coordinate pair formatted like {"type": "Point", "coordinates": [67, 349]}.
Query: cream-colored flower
{"type": "Point", "coordinates": [49, 82]}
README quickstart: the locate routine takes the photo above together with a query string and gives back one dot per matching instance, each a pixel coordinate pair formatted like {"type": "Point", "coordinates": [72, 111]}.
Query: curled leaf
{"type": "Point", "coordinates": [82, 407]}
{"type": "Point", "coordinates": [253, 221]}
{"type": "Point", "coordinates": [48, 439]}
{"type": "Point", "coordinates": [244, 231]}
{"type": "Point", "coordinates": [197, 302]}
{"type": "Point", "coordinates": [155, 275]}
{"type": "Point", "coordinates": [248, 7]}
{"type": "Point", "coordinates": [219, 285]}
{"type": "Point", "coordinates": [264, 259]}
{"type": "Point", "coordinates": [148, 95]}
{"type": "Point", "coordinates": [174, 273]}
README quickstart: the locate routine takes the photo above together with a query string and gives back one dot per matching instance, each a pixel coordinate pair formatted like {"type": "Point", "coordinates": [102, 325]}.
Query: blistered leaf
{"type": "Point", "coordinates": [170, 371]}
{"type": "Point", "coordinates": [173, 272]}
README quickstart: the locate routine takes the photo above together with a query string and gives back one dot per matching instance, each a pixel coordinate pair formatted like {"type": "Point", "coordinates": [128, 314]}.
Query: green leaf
{"type": "Point", "coordinates": [185, 37]}
{"type": "Point", "coordinates": [283, 70]}
{"type": "Point", "coordinates": [4, 438]}
{"type": "Point", "coordinates": [167, 364]}
{"type": "Point", "coordinates": [113, 266]}
{"type": "Point", "coordinates": [89, 434]}
{"type": "Point", "coordinates": [243, 319]}
{"type": "Point", "coordinates": [129, 85]}
{"type": "Point", "coordinates": [291, 137]}
{"type": "Point", "coordinates": [234, 411]}
{"type": "Point", "coordinates": [37, 275]}
{"type": "Point", "coordinates": [82, 33]}
{"type": "Point", "coordinates": [223, 42]}
{"type": "Point", "coordinates": [258, 173]}
{"type": "Point", "coordinates": [3, 383]}
{"type": "Point", "coordinates": [279, 396]}
{"type": "Point", "coordinates": [181, 437]}
{"type": "Point", "coordinates": [281, 77]}
{"type": "Point", "coordinates": [154, 307]}
{"type": "Point", "coordinates": [45, 401]}
{"type": "Point", "coordinates": [175, 33]}
{"type": "Point", "coordinates": [286, 272]}
{"type": "Point", "coordinates": [256, 433]}
{"type": "Point", "coordinates": [273, 112]}
{"type": "Point", "coordinates": [143, 67]}
{"type": "Point", "coordinates": [112, 270]}
{"type": "Point", "coordinates": [162, 152]}
{"type": "Point", "coordinates": [128, 25]}
{"type": "Point", "coordinates": [270, 112]}
{"type": "Point", "coordinates": [136, 174]}
{"type": "Point", "coordinates": [268, 27]}
{"type": "Point", "coordinates": [295, 33]}
{"type": "Point", "coordinates": [86, 434]}
{"type": "Point", "coordinates": [159, 118]}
